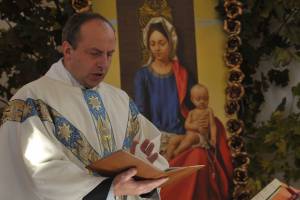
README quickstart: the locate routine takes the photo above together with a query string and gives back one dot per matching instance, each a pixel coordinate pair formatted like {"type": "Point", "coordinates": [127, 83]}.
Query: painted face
{"type": "Point", "coordinates": [159, 46]}
{"type": "Point", "coordinates": [200, 97]}
{"type": "Point", "coordinates": [90, 60]}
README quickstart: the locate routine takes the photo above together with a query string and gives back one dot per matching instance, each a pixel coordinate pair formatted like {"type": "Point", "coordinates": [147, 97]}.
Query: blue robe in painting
{"type": "Point", "coordinates": [156, 97]}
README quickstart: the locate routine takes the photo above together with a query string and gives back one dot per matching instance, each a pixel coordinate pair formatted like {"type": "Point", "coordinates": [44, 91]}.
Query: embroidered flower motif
{"type": "Point", "coordinates": [43, 111]}
{"type": "Point", "coordinates": [81, 5]}
{"type": "Point", "coordinates": [12, 111]}
{"type": "Point", "coordinates": [64, 131]}
{"type": "Point", "coordinates": [232, 107]}
{"type": "Point", "coordinates": [235, 126]}
{"type": "Point", "coordinates": [235, 91]}
{"type": "Point", "coordinates": [236, 143]}
{"type": "Point", "coordinates": [27, 111]}
{"type": "Point", "coordinates": [241, 192]}
{"type": "Point", "coordinates": [133, 126]}
{"type": "Point", "coordinates": [233, 43]}
{"type": "Point", "coordinates": [233, 8]}
{"type": "Point", "coordinates": [241, 159]}
{"type": "Point", "coordinates": [233, 59]}
{"type": "Point", "coordinates": [240, 176]}
{"type": "Point", "coordinates": [94, 102]}
{"type": "Point", "coordinates": [232, 26]}
{"type": "Point", "coordinates": [236, 76]}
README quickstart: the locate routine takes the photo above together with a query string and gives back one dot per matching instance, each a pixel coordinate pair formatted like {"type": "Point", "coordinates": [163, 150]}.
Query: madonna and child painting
{"type": "Point", "coordinates": [166, 93]}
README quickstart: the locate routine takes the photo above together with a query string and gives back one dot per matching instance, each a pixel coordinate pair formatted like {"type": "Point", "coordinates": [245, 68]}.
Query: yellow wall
{"type": "Point", "coordinates": [108, 9]}
{"type": "Point", "coordinates": [210, 44]}
{"type": "Point", "coordinates": [210, 41]}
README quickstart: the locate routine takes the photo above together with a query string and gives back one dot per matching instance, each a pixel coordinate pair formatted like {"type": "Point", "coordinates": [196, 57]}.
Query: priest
{"type": "Point", "coordinates": [55, 126]}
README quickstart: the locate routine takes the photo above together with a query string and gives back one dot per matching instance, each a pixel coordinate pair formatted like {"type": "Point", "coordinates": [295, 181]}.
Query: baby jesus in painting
{"type": "Point", "coordinates": [200, 125]}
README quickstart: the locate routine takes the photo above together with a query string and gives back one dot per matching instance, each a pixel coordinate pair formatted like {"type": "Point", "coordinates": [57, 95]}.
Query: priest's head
{"type": "Point", "coordinates": [88, 43]}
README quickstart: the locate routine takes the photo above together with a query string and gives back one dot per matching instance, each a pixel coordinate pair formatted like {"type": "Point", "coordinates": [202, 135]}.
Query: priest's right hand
{"type": "Point", "coordinates": [124, 184]}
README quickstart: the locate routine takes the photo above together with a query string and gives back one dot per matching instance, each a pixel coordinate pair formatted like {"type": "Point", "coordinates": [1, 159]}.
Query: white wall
{"type": "Point", "coordinates": [275, 94]}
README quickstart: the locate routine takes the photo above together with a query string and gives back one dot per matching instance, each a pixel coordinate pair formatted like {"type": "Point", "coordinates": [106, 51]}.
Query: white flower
{"type": "Point", "coordinates": [13, 91]}
{"type": "Point", "coordinates": [4, 79]}
{"type": "Point", "coordinates": [13, 71]}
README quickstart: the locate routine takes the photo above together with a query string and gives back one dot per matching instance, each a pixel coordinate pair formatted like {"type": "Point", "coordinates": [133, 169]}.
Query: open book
{"type": "Point", "coordinates": [122, 160]}
{"type": "Point", "coordinates": [276, 190]}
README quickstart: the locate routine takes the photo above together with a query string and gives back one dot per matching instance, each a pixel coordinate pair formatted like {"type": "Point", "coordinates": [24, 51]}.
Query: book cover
{"type": "Point", "coordinates": [276, 190]}
{"type": "Point", "coordinates": [121, 160]}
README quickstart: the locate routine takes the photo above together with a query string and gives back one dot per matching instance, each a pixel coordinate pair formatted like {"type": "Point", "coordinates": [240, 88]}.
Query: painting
{"type": "Point", "coordinates": [158, 65]}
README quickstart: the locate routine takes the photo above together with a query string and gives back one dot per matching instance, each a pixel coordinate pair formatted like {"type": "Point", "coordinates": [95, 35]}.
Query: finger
{"type": "Point", "coordinates": [133, 147]}
{"type": "Point", "coordinates": [144, 145]}
{"type": "Point", "coordinates": [153, 157]}
{"type": "Point", "coordinates": [149, 149]}
{"type": "Point", "coordinates": [128, 174]}
{"type": "Point", "coordinates": [149, 185]}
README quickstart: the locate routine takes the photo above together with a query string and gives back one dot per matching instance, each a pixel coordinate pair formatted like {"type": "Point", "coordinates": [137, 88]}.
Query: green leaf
{"type": "Point", "coordinates": [251, 4]}
{"type": "Point", "coordinates": [279, 12]}
{"type": "Point", "coordinates": [297, 153]}
{"type": "Point", "coordinates": [267, 7]}
{"type": "Point", "coordinates": [277, 115]}
{"type": "Point", "coordinates": [265, 164]}
{"type": "Point", "coordinates": [296, 90]}
{"type": "Point", "coordinates": [291, 31]}
{"type": "Point", "coordinates": [270, 138]}
{"type": "Point", "coordinates": [57, 26]}
{"type": "Point", "coordinates": [282, 104]}
{"type": "Point", "coordinates": [281, 57]}
{"type": "Point", "coordinates": [282, 146]}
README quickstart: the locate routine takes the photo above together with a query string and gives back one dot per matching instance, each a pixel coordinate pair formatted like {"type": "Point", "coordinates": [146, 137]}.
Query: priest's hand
{"type": "Point", "coordinates": [124, 184]}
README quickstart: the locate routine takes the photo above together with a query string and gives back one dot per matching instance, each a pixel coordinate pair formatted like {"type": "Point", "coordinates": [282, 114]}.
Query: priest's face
{"type": "Point", "coordinates": [89, 61]}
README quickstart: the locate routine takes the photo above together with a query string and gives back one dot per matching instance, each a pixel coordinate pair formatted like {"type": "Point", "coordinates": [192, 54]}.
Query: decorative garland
{"type": "Point", "coordinates": [234, 92]}
{"type": "Point", "coordinates": [82, 5]}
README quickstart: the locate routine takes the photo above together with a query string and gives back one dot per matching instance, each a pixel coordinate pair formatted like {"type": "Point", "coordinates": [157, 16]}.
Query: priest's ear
{"type": "Point", "coordinates": [66, 49]}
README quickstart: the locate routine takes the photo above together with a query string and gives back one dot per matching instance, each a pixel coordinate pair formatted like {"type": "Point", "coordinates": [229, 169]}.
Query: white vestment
{"type": "Point", "coordinates": [50, 132]}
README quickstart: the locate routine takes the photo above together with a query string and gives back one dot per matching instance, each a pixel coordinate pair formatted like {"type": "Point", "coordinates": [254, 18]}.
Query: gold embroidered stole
{"type": "Point", "coordinates": [102, 125]}
{"type": "Point", "coordinates": [133, 126]}
{"type": "Point", "coordinates": [67, 134]}
{"type": "Point", "coordinates": [64, 131]}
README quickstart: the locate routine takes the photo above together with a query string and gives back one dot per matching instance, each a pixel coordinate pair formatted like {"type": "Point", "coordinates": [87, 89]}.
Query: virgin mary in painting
{"type": "Point", "coordinates": [162, 88]}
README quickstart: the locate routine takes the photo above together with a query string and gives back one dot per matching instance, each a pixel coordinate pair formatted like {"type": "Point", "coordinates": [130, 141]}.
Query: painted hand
{"type": "Point", "coordinates": [147, 148]}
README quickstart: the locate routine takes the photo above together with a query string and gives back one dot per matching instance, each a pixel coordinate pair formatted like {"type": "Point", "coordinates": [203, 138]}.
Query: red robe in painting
{"type": "Point", "coordinates": [213, 182]}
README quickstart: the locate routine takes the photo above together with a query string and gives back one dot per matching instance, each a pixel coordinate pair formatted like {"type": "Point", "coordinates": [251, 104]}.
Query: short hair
{"type": "Point", "coordinates": [72, 27]}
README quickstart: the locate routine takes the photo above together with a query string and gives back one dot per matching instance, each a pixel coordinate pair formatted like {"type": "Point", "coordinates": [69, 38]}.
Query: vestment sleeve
{"type": "Point", "coordinates": [37, 166]}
